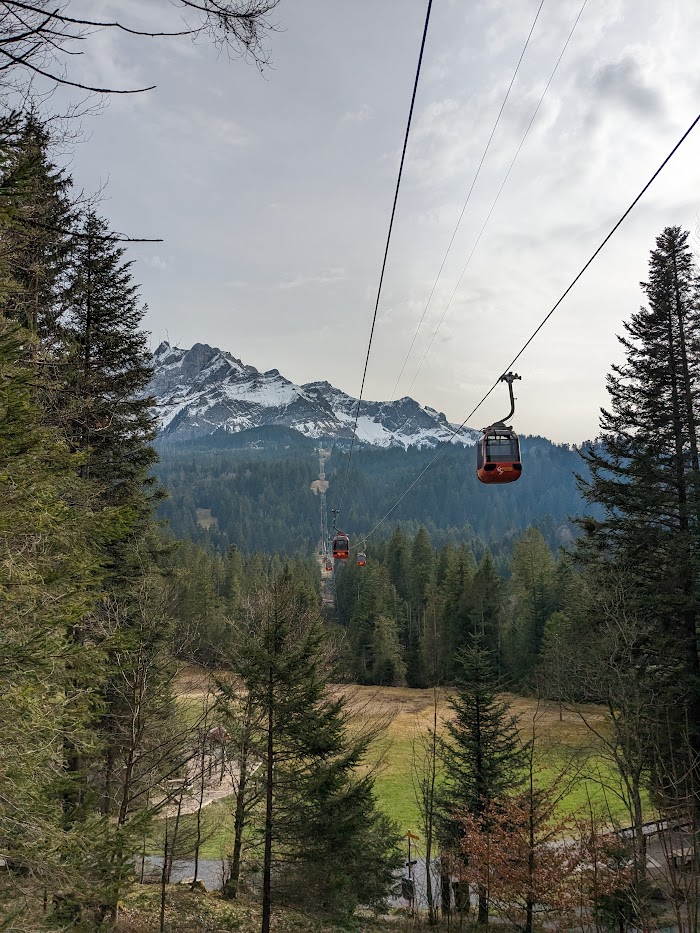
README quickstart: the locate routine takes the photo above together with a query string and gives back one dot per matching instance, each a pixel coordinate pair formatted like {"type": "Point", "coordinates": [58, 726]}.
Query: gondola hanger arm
{"type": "Point", "coordinates": [510, 379]}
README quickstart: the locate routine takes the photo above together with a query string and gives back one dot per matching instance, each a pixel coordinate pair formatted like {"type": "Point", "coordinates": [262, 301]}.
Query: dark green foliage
{"type": "Point", "coordinates": [486, 606]}
{"type": "Point", "coordinates": [321, 837]}
{"type": "Point", "coordinates": [533, 591]}
{"type": "Point", "coordinates": [261, 499]}
{"type": "Point", "coordinates": [257, 505]}
{"type": "Point", "coordinates": [366, 596]}
{"type": "Point", "coordinates": [481, 753]}
{"type": "Point", "coordinates": [108, 369]}
{"type": "Point", "coordinates": [456, 621]}
{"type": "Point", "coordinates": [36, 232]}
{"type": "Point", "coordinates": [644, 472]}
{"type": "Point", "coordinates": [449, 602]}
{"type": "Point", "coordinates": [422, 568]}
{"type": "Point", "coordinates": [51, 543]}
{"type": "Point", "coordinates": [388, 668]}
{"type": "Point", "coordinates": [87, 658]}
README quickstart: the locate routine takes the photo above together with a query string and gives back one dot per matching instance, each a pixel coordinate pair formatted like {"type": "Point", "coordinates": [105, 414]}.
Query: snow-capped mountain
{"type": "Point", "coordinates": [204, 390]}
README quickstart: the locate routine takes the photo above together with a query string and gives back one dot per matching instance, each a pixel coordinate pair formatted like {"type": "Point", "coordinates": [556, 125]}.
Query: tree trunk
{"type": "Point", "coordinates": [164, 877]}
{"type": "Point", "coordinates": [238, 827]}
{"type": "Point", "coordinates": [483, 916]}
{"type": "Point", "coordinates": [173, 844]}
{"type": "Point", "coordinates": [445, 891]}
{"type": "Point", "coordinates": [267, 863]}
{"type": "Point", "coordinates": [202, 783]}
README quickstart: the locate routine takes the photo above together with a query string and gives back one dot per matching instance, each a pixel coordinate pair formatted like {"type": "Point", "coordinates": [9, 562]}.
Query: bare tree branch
{"type": "Point", "coordinates": [41, 35]}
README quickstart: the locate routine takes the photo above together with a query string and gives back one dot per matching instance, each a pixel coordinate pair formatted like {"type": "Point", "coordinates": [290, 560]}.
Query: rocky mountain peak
{"type": "Point", "coordinates": [204, 390]}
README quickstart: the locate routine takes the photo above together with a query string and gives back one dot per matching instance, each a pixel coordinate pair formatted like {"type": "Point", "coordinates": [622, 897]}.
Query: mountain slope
{"type": "Point", "coordinates": [205, 390]}
{"type": "Point", "coordinates": [263, 499]}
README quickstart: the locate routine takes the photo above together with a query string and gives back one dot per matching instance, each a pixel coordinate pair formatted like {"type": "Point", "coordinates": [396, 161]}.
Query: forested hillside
{"type": "Point", "coordinates": [261, 498]}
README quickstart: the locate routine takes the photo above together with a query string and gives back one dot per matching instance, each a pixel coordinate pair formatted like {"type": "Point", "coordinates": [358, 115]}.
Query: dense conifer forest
{"type": "Point", "coordinates": [257, 487]}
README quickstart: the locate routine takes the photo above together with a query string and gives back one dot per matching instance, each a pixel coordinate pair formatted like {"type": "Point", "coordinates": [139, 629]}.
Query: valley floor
{"type": "Point", "coordinates": [566, 753]}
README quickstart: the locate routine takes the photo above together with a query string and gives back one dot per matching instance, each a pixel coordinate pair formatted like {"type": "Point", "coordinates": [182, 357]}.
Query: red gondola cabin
{"type": "Point", "coordinates": [341, 547]}
{"type": "Point", "coordinates": [498, 455]}
{"type": "Point", "coordinates": [329, 565]}
{"type": "Point", "coordinates": [361, 559]}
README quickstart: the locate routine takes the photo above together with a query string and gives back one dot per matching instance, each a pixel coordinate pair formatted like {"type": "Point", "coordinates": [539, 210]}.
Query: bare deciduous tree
{"type": "Point", "coordinates": [39, 37]}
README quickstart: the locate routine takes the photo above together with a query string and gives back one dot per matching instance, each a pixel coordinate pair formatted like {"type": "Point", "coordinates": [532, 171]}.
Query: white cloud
{"type": "Point", "coordinates": [326, 277]}
{"type": "Point", "coordinates": [361, 115]}
{"type": "Point", "coordinates": [155, 262]}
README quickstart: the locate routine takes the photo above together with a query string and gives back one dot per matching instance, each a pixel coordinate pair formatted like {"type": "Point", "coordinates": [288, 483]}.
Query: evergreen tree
{"type": "Point", "coordinates": [432, 639]}
{"type": "Point", "coordinates": [481, 752]}
{"type": "Point", "coordinates": [111, 421]}
{"type": "Point", "coordinates": [422, 578]}
{"type": "Point", "coordinates": [399, 563]}
{"type": "Point", "coordinates": [644, 472]}
{"type": "Point", "coordinates": [51, 543]}
{"type": "Point", "coordinates": [320, 821]}
{"type": "Point", "coordinates": [367, 593]}
{"type": "Point", "coordinates": [532, 586]}
{"type": "Point", "coordinates": [486, 604]}
{"type": "Point", "coordinates": [456, 622]}
{"type": "Point", "coordinates": [36, 243]}
{"type": "Point", "coordinates": [388, 668]}
{"type": "Point", "coordinates": [422, 568]}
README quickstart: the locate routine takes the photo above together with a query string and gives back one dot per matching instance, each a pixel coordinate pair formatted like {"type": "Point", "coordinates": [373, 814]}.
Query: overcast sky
{"type": "Point", "coordinates": [273, 192]}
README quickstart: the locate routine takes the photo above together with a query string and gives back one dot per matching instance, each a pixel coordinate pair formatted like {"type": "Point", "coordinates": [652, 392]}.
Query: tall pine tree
{"type": "Point", "coordinates": [112, 421]}
{"type": "Point", "coordinates": [481, 752]}
{"type": "Point", "coordinates": [319, 820]}
{"type": "Point", "coordinates": [644, 472]}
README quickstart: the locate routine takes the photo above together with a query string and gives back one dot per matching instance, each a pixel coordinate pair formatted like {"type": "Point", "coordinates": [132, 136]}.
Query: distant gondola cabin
{"type": "Point", "coordinates": [341, 547]}
{"type": "Point", "coordinates": [361, 559]}
{"type": "Point", "coordinates": [498, 455]}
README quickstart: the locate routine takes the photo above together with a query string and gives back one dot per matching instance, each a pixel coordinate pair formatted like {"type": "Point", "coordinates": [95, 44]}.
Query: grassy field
{"type": "Point", "coordinates": [564, 747]}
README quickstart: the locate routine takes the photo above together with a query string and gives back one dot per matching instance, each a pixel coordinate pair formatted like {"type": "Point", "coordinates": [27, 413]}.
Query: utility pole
{"type": "Point", "coordinates": [408, 884]}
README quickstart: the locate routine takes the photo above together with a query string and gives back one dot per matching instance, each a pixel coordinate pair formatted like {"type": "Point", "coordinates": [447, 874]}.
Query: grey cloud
{"type": "Point", "coordinates": [625, 83]}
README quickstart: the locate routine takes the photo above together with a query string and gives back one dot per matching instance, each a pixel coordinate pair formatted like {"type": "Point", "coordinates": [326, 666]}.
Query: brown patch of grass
{"type": "Point", "coordinates": [205, 519]}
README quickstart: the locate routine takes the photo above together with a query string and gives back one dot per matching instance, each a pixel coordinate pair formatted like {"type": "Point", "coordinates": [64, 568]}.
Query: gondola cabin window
{"type": "Point", "coordinates": [502, 449]}
{"type": "Point", "coordinates": [341, 547]}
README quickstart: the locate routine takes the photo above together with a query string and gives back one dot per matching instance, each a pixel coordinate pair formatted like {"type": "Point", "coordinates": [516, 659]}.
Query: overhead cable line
{"type": "Point", "coordinates": [544, 320]}
{"type": "Point", "coordinates": [495, 200]}
{"type": "Point", "coordinates": [386, 249]}
{"type": "Point", "coordinates": [469, 194]}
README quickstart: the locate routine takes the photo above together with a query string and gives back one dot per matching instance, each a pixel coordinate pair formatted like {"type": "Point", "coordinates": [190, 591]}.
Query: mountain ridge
{"type": "Point", "coordinates": [204, 390]}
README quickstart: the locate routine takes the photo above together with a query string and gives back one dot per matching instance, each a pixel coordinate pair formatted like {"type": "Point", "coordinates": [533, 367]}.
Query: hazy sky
{"type": "Point", "coordinates": [273, 192]}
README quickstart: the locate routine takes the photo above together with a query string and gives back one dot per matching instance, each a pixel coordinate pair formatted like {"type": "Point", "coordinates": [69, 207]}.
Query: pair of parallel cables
{"type": "Point", "coordinates": [556, 305]}
{"type": "Point", "coordinates": [459, 220]}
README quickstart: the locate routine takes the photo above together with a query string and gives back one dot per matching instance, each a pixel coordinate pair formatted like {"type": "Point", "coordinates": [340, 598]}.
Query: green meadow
{"type": "Point", "coordinates": [565, 755]}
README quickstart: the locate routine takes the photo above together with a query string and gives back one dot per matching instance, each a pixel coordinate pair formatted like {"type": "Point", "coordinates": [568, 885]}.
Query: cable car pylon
{"type": "Point", "coordinates": [498, 449]}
